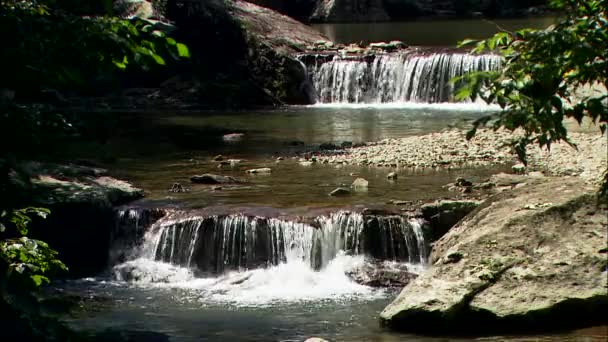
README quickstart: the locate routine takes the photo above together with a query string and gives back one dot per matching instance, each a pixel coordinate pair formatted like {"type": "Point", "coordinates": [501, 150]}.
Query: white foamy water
{"type": "Point", "coordinates": [478, 106]}
{"type": "Point", "coordinates": [294, 281]}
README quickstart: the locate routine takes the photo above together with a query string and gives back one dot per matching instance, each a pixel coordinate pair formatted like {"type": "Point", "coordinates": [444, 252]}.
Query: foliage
{"type": "Point", "coordinates": [55, 47]}
{"type": "Point", "coordinates": [548, 75]}
{"type": "Point", "coordinates": [29, 262]}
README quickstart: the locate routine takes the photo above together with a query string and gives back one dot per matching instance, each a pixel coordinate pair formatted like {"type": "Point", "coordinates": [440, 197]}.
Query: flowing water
{"type": "Point", "coordinates": [273, 258]}
{"type": "Point", "coordinates": [418, 76]}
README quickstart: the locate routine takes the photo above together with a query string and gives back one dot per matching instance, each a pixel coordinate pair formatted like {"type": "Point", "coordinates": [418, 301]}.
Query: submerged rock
{"type": "Point", "coordinates": [209, 178]}
{"type": "Point", "coordinates": [392, 176]}
{"type": "Point", "coordinates": [340, 192]}
{"type": "Point", "coordinates": [508, 268]}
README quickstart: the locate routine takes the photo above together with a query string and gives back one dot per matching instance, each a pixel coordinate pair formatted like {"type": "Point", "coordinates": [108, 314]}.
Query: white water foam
{"type": "Point", "coordinates": [478, 106]}
{"type": "Point", "coordinates": [294, 281]}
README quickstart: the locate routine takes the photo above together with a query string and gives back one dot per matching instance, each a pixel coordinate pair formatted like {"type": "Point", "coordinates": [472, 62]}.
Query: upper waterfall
{"type": "Point", "coordinates": [404, 76]}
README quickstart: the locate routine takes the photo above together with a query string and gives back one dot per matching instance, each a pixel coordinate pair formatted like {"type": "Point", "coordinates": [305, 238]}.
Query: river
{"type": "Point", "coordinates": [146, 298]}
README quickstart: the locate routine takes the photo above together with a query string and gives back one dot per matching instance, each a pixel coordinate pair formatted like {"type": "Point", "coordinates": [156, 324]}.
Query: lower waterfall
{"type": "Point", "coordinates": [256, 258]}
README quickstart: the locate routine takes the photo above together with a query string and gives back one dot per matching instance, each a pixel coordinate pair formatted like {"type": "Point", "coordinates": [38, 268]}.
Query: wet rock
{"type": "Point", "coordinates": [360, 184]}
{"type": "Point", "coordinates": [178, 188]}
{"type": "Point", "coordinates": [209, 178]}
{"type": "Point", "coordinates": [460, 181]}
{"type": "Point", "coordinates": [339, 192]}
{"type": "Point", "coordinates": [392, 176]}
{"type": "Point", "coordinates": [514, 270]}
{"type": "Point", "coordinates": [382, 274]}
{"type": "Point", "coordinates": [234, 162]}
{"type": "Point", "coordinates": [219, 157]}
{"type": "Point", "coordinates": [443, 215]}
{"type": "Point", "coordinates": [263, 170]}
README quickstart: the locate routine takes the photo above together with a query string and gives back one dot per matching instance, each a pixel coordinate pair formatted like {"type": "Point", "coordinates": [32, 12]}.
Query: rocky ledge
{"type": "Point", "coordinates": [530, 259]}
{"type": "Point", "coordinates": [82, 219]}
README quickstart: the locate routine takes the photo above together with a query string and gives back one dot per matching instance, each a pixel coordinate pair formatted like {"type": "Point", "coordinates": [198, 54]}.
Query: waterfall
{"type": "Point", "coordinates": [217, 244]}
{"type": "Point", "coordinates": [410, 76]}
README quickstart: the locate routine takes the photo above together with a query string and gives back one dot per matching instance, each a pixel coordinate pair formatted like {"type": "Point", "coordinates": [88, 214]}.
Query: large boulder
{"type": "Point", "coordinates": [533, 258]}
{"type": "Point", "coordinates": [350, 11]}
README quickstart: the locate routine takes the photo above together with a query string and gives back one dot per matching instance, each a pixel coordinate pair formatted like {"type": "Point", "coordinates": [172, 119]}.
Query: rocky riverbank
{"type": "Point", "coordinates": [531, 259]}
{"type": "Point", "coordinates": [450, 149]}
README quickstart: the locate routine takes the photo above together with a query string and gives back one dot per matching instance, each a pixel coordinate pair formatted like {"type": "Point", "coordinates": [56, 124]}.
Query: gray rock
{"type": "Point", "coordinates": [392, 175]}
{"type": "Point", "coordinates": [514, 269]}
{"type": "Point", "coordinates": [209, 178]}
{"type": "Point", "coordinates": [219, 157]}
{"type": "Point", "coordinates": [340, 192]}
{"type": "Point", "coordinates": [381, 274]}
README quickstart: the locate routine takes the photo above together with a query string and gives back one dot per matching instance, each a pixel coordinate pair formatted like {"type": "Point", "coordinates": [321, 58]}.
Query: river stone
{"type": "Point", "coordinates": [209, 178]}
{"type": "Point", "coordinates": [316, 339]}
{"type": "Point", "coordinates": [340, 192]}
{"type": "Point", "coordinates": [516, 269]}
{"type": "Point", "coordinates": [360, 184]}
{"type": "Point", "coordinates": [392, 175]}
{"type": "Point", "coordinates": [264, 170]}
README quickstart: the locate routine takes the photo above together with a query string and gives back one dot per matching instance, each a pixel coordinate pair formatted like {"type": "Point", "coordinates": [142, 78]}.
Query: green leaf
{"type": "Point", "coordinates": [158, 59]}
{"type": "Point", "coordinates": [182, 50]}
{"type": "Point", "coordinates": [171, 41]}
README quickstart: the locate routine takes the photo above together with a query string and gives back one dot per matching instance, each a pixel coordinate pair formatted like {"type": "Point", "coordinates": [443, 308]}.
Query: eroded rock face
{"type": "Point", "coordinates": [349, 11]}
{"type": "Point", "coordinates": [529, 259]}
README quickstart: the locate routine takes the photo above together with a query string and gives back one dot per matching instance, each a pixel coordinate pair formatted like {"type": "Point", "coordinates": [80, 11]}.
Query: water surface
{"type": "Point", "coordinates": [427, 33]}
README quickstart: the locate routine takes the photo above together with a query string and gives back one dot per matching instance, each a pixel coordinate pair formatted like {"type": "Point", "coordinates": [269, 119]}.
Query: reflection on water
{"type": "Point", "coordinates": [269, 134]}
{"type": "Point", "coordinates": [426, 33]}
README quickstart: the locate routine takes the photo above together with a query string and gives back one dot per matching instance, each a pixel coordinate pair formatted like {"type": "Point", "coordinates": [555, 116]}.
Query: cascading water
{"type": "Point", "coordinates": [410, 76]}
{"type": "Point", "coordinates": [235, 257]}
